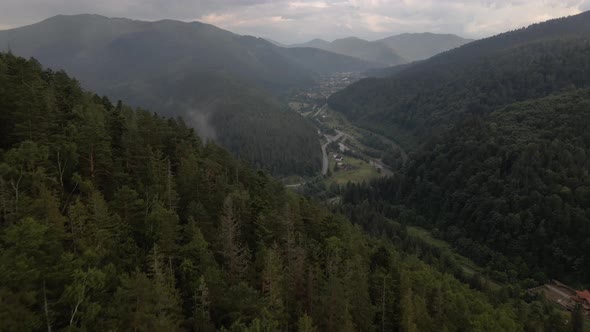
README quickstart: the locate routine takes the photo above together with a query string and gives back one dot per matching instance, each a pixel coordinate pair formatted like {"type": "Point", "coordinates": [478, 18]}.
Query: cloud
{"type": "Point", "coordinates": [300, 20]}
{"type": "Point", "coordinates": [373, 19]}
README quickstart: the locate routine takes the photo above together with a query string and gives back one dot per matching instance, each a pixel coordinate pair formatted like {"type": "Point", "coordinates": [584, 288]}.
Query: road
{"type": "Point", "coordinates": [320, 111]}
{"type": "Point", "coordinates": [377, 163]}
{"type": "Point", "coordinates": [329, 139]}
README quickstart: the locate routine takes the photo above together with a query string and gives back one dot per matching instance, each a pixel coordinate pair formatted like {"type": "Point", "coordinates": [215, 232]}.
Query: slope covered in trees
{"type": "Point", "coordinates": [251, 124]}
{"type": "Point", "coordinates": [510, 190]}
{"type": "Point", "coordinates": [516, 182]}
{"type": "Point", "coordinates": [115, 219]}
{"type": "Point", "coordinates": [426, 99]}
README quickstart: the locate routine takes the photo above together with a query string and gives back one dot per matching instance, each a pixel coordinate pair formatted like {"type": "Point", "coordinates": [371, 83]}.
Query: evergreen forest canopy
{"type": "Point", "coordinates": [115, 219]}
{"type": "Point", "coordinates": [499, 133]}
{"type": "Point", "coordinates": [510, 190]}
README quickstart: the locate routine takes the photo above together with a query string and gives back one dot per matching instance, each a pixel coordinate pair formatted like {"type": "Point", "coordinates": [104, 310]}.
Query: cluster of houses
{"type": "Point", "coordinates": [564, 295]}
{"type": "Point", "coordinates": [340, 164]}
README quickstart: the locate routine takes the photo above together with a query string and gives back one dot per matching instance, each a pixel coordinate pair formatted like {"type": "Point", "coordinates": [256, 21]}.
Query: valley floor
{"type": "Point", "coordinates": [344, 157]}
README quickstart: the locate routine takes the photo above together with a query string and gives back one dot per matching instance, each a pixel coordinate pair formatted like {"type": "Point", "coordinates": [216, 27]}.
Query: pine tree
{"type": "Point", "coordinates": [273, 284]}
{"type": "Point", "coordinates": [408, 315]}
{"type": "Point", "coordinates": [235, 254]}
{"type": "Point", "coordinates": [305, 324]}
{"type": "Point", "coordinates": [357, 286]}
{"type": "Point", "coordinates": [163, 229]}
{"type": "Point", "coordinates": [202, 315]}
{"type": "Point", "coordinates": [92, 140]}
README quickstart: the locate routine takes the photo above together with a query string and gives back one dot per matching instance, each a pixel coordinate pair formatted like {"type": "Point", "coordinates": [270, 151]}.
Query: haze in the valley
{"type": "Point", "coordinates": [218, 80]}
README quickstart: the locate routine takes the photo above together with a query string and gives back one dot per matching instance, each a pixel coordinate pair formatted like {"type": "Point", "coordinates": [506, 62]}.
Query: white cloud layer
{"type": "Point", "coordinates": [300, 20]}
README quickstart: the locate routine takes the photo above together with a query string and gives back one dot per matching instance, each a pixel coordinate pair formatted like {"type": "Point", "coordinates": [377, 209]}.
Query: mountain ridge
{"type": "Point", "coordinates": [403, 48]}
{"type": "Point", "coordinates": [421, 46]}
{"type": "Point", "coordinates": [500, 146]}
{"type": "Point", "coordinates": [137, 60]}
{"type": "Point", "coordinates": [358, 48]}
{"type": "Point", "coordinates": [434, 93]}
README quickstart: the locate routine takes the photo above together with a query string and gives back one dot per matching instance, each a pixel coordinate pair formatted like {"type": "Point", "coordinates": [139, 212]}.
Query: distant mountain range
{"type": "Point", "coordinates": [101, 51]}
{"type": "Point", "coordinates": [369, 51]}
{"type": "Point", "coordinates": [213, 77]}
{"type": "Point", "coordinates": [226, 84]}
{"type": "Point", "coordinates": [423, 99]}
{"type": "Point", "coordinates": [420, 46]}
{"type": "Point", "coordinates": [390, 51]}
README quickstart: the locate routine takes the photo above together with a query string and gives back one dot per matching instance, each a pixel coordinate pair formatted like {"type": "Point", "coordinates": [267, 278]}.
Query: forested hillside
{"type": "Point", "coordinates": [512, 181]}
{"type": "Point", "coordinates": [500, 140]}
{"type": "Point", "coordinates": [511, 189]}
{"type": "Point", "coordinates": [251, 124]}
{"type": "Point", "coordinates": [426, 99]}
{"type": "Point", "coordinates": [115, 219]}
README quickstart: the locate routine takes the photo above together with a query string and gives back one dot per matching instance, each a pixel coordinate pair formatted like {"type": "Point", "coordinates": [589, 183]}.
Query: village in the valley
{"type": "Point", "coordinates": [349, 152]}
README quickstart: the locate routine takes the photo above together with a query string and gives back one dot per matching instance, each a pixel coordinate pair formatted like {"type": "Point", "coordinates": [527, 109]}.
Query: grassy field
{"type": "Point", "coordinates": [361, 171]}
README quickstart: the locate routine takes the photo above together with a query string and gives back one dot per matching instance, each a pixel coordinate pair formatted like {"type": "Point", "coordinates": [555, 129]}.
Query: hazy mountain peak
{"type": "Point", "coordinates": [358, 48]}
{"type": "Point", "coordinates": [315, 43]}
{"type": "Point", "coordinates": [394, 50]}
{"type": "Point", "coordinates": [103, 51]}
{"type": "Point", "coordinates": [351, 39]}
{"type": "Point", "coordinates": [318, 40]}
{"type": "Point", "coordinates": [420, 46]}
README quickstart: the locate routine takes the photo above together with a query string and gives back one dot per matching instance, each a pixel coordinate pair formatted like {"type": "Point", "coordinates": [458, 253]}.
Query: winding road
{"type": "Point", "coordinates": [377, 163]}
{"type": "Point", "coordinates": [330, 139]}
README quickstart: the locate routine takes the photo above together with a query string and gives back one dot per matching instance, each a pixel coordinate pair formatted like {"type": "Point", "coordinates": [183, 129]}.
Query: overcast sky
{"type": "Point", "coordinates": [300, 20]}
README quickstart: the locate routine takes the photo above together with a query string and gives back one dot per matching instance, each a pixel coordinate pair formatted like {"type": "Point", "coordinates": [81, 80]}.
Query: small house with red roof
{"type": "Point", "coordinates": [564, 295]}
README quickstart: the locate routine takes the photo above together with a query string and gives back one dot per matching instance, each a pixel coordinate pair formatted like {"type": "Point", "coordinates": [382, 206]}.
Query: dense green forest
{"type": "Point", "coordinates": [119, 219]}
{"type": "Point", "coordinates": [267, 135]}
{"type": "Point", "coordinates": [424, 100]}
{"type": "Point", "coordinates": [239, 116]}
{"type": "Point", "coordinates": [510, 190]}
{"type": "Point", "coordinates": [499, 167]}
